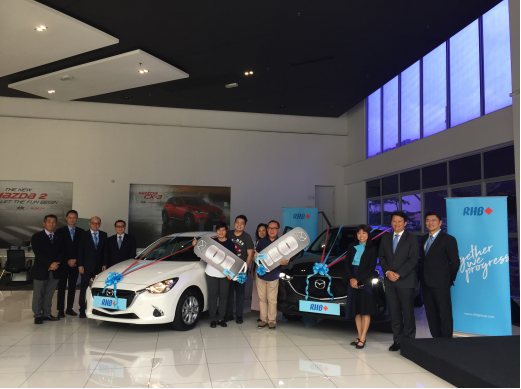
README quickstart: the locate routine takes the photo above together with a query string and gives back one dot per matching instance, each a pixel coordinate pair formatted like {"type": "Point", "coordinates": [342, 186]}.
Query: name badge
{"type": "Point", "coordinates": [110, 303]}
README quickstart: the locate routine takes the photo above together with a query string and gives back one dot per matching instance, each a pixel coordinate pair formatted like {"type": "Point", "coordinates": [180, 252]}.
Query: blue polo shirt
{"type": "Point", "coordinates": [274, 274]}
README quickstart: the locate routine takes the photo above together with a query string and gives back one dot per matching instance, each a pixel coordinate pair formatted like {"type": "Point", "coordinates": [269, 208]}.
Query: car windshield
{"type": "Point", "coordinates": [170, 245]}
{"type": "Point", "coordinates": [340, 244]}
{"type": "Point", "coordinates": [194, 201]}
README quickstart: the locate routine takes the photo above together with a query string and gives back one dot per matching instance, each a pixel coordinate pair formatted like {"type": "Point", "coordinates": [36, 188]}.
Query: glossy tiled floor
{"type": "Point", "coordinates": [85, 353]}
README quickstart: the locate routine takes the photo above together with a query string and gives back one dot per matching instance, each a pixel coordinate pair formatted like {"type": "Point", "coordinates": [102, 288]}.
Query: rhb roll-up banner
{"type": "Point", "coordinates": [481, 295]}
{"type": "Point", "coordinates": [307, 218]}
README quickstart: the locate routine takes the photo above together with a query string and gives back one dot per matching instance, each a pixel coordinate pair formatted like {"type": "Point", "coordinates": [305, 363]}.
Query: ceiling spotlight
{"type": "Point", "coordinates": [251, 72]}
{"type": "Point", "coordinates": [246, 73]}
{"type": "Point", "coordinates": [143, 71]}
{"type": "Point", "coordinates": [40, 28]}
{"type": "Point", "coordinates": [51, 91]}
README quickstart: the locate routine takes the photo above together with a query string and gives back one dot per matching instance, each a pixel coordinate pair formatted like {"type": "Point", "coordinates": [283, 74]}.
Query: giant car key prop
{"type": "Point", "coordinates": [285, 247]}
{"type": "Point", "coordinates": [218, 256]}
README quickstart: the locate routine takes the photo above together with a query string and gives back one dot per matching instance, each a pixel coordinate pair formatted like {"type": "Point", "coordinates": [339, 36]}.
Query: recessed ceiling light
{"type": "Point", "coordinates": [251, 72]}
{"type": "Point", "coordinates": [248, 73]}
{"type": "Point", "coordinates": [40, 28]}
{"type": "Point", "coordinates": [143, 71]}
{"type": "Point", "coordinates": [51, 91]}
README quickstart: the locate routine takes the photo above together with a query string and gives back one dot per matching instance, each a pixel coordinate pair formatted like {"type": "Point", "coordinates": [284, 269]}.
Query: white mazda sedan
{"type": "Point", "coordinates": [172, 290]}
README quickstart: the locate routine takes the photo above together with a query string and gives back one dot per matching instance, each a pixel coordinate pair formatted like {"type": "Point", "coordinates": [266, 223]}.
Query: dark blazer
{"type": "Point", "coordinates": [441, 264]}
{"type": "Point", "coordinates": [45, 253]}
{"type": "Point", "coordinates": [366, 268]}
{"type": "Point", "coordinates": [403, 261]}
{"type": "Point", "coordinates": [115, 254]}
{"type": "Point", "coordinates": [70, 246]}
{"type": "Point", "coordinates": [89, 257]}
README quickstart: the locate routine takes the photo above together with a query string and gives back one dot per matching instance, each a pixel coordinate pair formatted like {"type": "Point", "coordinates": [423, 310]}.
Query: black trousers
{"type": "Point", "coordinates": [68, 274]}
{"type": "Point", "coordinates": [237, 292]}
{"type": "Point", "coordinates": [217, 291]}
{"type": "Point", "coordinates": [438, 308]}
{"type": "Point", "coordinates": [401, 305]}
{"type": "Point", "coordinates": [85, 279]}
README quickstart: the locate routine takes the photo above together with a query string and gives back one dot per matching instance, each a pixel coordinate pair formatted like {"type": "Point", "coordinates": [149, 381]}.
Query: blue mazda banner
{"type": "Point", "coordinates": [307, 218]}
{"type": "Point", "coordinates": [481, 295]}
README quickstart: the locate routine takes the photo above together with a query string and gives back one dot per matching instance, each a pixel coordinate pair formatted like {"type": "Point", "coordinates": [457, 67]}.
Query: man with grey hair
{"type": "Point", "coordinates": [92, 255]}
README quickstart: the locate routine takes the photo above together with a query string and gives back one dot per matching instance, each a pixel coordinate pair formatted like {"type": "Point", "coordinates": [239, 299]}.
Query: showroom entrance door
{"type": "Point", "coordinates": [325, 202]}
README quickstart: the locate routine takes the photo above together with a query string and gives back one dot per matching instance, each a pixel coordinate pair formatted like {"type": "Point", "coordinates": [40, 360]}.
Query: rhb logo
{"type": "Point", "coordinates": [300, 216]}
{"type": "Point", "coordinates": [317, 307]}
{"type": "Point", "coordinates": [476, 211]}
{"type": "Point", "coordinates": [108, 303]}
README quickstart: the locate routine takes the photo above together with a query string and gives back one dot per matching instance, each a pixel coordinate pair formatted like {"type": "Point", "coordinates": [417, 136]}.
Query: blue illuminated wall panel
{"type": "Point", "coordinates": [373, 124]}
{"type": "Point", "coordinates": [410, 104]}
{"type": "Point", "coordinates": [435, 91]}
{"type": "Point", "coordinates": [465, 88]}
{"type": "Point", "coordinates": [390, 111]}
{"type": "Point", "coordinates": [496, 58]}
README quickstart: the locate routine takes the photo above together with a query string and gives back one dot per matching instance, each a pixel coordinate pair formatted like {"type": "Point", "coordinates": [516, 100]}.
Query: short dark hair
{"type": "Point", "coordinates": [432, 213]}
{"type": "Point", "coordinates": [220, 225]}
{"type": "Point", "coordinates": [257, 230]}
{"type": "Point", "coordinates": [399, 213]}
{"type": "Point", "coordinates": [243, 218]}
{"type": "Point", "coordinates": [367, 229]}
{"type": "Point", "coordinates": [120, 221]}
{"type": "Point", "coordinates": [51, 215]}
{"type": "Point", "coordinates": [274, 221]}
{"type": "Point", "coordinates": [72, 211]}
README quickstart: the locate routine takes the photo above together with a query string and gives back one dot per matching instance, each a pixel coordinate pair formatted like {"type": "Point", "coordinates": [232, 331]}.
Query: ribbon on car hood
{"type": "Point", "coordinates": [322, 270]}
{"type": "Point", "coordinates": [113, 279]}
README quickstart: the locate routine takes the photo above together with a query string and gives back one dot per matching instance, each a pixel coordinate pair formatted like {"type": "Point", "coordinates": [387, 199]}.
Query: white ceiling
{"type": "Point", "coordinates": [104, 76]}
{"type": "Point", "coordinates": [22, 47]}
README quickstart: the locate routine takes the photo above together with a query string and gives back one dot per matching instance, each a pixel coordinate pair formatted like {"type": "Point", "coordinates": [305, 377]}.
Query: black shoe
{"type": "Point", "coordinates": [61, 314]}
{"type": "Point", "coordinates": [239, 320]}
{"type": "Point", "coordinates": [362, 346]}
{"type": "Point", "coordinates": [50, 318]}
{"type": "Point", "coordinates": [228, 318]}
{"type": "Point", "coordinates": [82, 315]}
{"type": "Point", "coordinates": [38, 320]}
{"type": "Point", "coordinates": [213, 324]}
{"type": "Point", "coordinates": [259, 320]}
{"type": "Point", "coordinates": [70, 312]}
{"type": "Point", "coordinates": [222, 323]}
{"type": "Point", "coordinates": [355, 342]}
{"type": "Point", "coordinates": [394, 347]}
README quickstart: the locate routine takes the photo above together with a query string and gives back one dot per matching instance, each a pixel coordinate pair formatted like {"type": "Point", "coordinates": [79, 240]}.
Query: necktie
{"type": "Point", "coordinates": [395, 242]}
{"type": "Point", "coordinates": [119, 241]}
{"type": "Point", "coordinates": [429, 242]}
{"type": "Point", "coordinates": [95, 235]}
{"type": "Point", "coordinates": [51, 237]}
{"type": "Point", "coordinates": [72, 234]}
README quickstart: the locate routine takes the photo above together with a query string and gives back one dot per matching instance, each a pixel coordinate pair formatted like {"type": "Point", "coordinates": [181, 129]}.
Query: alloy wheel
{"type": "Point", "coordinates": [190, 310]}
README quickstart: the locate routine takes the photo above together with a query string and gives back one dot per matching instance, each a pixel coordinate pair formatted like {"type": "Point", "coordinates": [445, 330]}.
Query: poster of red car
{"type": "Point", "coordinates": [159, 210]}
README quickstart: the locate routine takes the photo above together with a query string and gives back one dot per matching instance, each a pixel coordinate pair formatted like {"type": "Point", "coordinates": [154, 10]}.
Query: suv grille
{"type": "Point", "coordinates": [129, 295]}
{"type": "Point", "coordinates": [338, 288]}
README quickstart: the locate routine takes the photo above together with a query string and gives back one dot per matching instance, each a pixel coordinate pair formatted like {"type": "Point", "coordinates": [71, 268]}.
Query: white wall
{"type": "Point", "coordinates": [270, 161]}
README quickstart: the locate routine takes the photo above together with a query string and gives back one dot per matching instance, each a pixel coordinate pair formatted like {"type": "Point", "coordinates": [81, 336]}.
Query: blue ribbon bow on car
{"type": "Point", "coordinates": [322, 270]}
{"type": "Point", "coordinates": [113, 279]}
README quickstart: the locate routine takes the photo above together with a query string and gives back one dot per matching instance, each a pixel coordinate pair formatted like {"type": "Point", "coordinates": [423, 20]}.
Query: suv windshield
{"type": "Point", "coordinates": [345, 238]}
{"type": "Point", "coordinates": [194, 201]}
{"type": "Point", "coordinates": [169, 245]}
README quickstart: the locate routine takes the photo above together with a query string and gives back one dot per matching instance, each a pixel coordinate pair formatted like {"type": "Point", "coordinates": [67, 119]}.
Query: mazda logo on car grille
{"type": "Point", "coordinates": [320, 284]}
{"type": "Point", "coordinates": [109, 293]}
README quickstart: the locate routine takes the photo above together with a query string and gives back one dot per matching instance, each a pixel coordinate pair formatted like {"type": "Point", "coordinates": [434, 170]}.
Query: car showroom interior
{"type": "Point", "coordinates": [259, 194]}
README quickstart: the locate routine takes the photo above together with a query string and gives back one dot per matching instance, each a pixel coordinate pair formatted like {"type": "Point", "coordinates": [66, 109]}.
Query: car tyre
{"type": "Point", "coordinates": [188, 311]}
{"type": "Point", "coordinates": [189, 221]}
{"type": "Point", "coordinates": [165, 217]}
{"type": "Point", "coordinates": [292, 317]}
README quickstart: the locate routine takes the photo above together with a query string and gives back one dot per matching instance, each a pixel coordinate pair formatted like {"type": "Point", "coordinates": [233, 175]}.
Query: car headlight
{"type": "Point", "coordinates": [93, 280]}
{"type": "Point", "coordinates": [163, 286]}
{"type": "Point", "coordinates": [201, 213]}
{"type": "Point", "coordinates": [375, 281]}
{"type": "Point", "coordinates": [285, 277]}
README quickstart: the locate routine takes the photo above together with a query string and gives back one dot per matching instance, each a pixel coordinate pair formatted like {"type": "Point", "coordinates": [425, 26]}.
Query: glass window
{"type": "Point", "coordinates": [465, 99]}
{"type": "Point", "coordinates": [374, 214]}
{"type": "Point", "coordinates": [390, 110]}
{"type": "Point", "coordinates": [506, 188]}
{"type": "Point", "coordinates": [372, 188]}
{"type": "Point", "coordinates": [435, 201]}
{"type": "Point", "coordinates": [435, 175]}
{"type": "Point", "coordinates": [467, 191]}
{"type": "Point", "coordinates": [390, 185]}
{"type": "Point", "coordinates": [514, 266]}
{"type": "Point", "coordinates": [410, 104]}
{"type": "Point", "coordinates": [410, 181]}
{"type": "Point", "coordinates": [435, 91]}
{"type": "Point", "coordinates": [465, 169]}
{"type": "Point", "coordinates": [168, 246]}
{"type": "Point", "coordinates": [390, 205]}
{"type": "Point", "coordinates": [373, 124]}
{"type": "Point", "coordinates": [500, 162]}
{"type": "Point", "coordinates": [412, 206]}
{"type": "Point", "coordinates": [496, 58]}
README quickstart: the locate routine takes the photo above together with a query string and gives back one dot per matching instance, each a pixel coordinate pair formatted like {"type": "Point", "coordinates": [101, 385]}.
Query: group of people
{"type": "Point", "coordinates": [398, 254]}
{"type": "Point", "coordinates": [64, 253]}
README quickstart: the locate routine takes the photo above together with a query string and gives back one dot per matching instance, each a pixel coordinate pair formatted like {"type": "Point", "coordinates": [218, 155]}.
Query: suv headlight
{"type": "Point", "coordinates": [285, 277]}
{"type": "Point", "coordinates": [375, 281]}
{"type": "Point", "coordinates": [93, 280]}
{"type": "Point", "coordinates": [163, 286]}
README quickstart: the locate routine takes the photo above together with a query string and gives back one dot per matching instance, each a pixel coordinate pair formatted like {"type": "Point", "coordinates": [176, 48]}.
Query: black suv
{"type": "Point", "coordinates": [292, 284]}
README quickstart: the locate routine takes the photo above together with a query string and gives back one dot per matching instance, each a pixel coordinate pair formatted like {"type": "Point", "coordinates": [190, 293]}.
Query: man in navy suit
{"type": "Point", "coordinates": [92, 254]}
{"type": "Point", "coordinates": [399, 258]}
{"type": "Point", "coordinates": [121, 246]}
{"type": "Point", "coordinates": [48, 255]}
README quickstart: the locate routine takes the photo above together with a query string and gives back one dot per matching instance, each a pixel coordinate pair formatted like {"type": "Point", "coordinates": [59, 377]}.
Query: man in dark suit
{"type": "Point", "coordinates": [121, 246]}
{"type": "Point", "coordinates": [92, 254]}
{"type": "Point", "coordinates": [398, 258]}
{"type": "Point", "coordinates": [440, 265]}
{"type": "Point", "coordinates": [48, 255]}
{"type": "Point", "coordinates": [70, 235]}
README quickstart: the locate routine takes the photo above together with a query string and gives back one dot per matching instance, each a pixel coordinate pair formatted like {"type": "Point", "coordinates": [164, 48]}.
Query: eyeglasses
{"type": "Point", "coordinates": [273, 228]}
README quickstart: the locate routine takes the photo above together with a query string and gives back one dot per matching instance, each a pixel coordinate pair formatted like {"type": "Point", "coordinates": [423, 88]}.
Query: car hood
{"type": "Point", "coordinates": [304, 266]}
{"type": "Point", "coordinates": [204, 208]}
{"type": "Point", "coordinates": [149, 275]}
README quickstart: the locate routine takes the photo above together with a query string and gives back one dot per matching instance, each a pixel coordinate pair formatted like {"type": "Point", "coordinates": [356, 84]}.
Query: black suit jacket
{"type": "Point", "coordinates": [403, 261]}
{"type": "Point", "coordinates": [116, 254]}
{"type": "Point", "coordinates": [366, 268]}
{"type": "Point", "coordinates": [441, 264]}
{"type": "Point", "coordinates": [45, 253]}
{"type": "Point", "coordinates": [89, 257]}
{"type": "Point", "coordinates": [70, 246]}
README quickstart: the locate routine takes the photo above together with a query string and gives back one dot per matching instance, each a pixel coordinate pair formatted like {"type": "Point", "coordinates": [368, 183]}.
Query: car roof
{"type": "Point", "coordinates": [190, 233]}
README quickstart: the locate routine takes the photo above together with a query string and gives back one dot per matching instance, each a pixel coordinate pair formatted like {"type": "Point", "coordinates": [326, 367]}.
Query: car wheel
{"type": "Point", "coordinates": [189, 221]}
{"type": "Point", "coordinates": [165, 217]}
{"type": "Point", "coordinates": [188, 311]}
{"type": "Point", "coordinates": [292, 317]}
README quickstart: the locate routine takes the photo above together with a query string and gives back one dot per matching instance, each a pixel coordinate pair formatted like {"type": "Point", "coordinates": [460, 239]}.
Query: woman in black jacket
{"type": "Point", "coordinates": [360, 265]}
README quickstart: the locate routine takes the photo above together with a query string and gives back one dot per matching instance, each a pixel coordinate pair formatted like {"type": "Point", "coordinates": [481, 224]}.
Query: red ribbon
{"type": "Point", "coordinates": [325, 245]}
